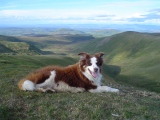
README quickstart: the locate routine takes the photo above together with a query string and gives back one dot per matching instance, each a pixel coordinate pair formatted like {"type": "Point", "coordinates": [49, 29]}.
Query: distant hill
{"type": "Point", "coordinates": [12, 45]}
{"type": "Point", "coordinates": [136, 54]}
{"type": "Point", "coordinates": [102, 32]}
{"type": "Point", "coordinates": [59, 36]}
{"type": "Point", "coordinates": [67, 31]}
{"type": "Point", "coordinates": [38, 31]}
{"type": "Point", "coordinates": [60, 41]}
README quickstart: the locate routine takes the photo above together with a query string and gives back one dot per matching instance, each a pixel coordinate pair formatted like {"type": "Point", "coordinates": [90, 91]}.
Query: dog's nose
{"type": "Point", "coordinates": [95, 69]}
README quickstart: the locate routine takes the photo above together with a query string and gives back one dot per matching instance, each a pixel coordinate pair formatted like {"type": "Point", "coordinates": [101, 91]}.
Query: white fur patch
{"type": "Point", "coordinates": [28, 85]}
{"type": "Point", "coordinates": [61, 86]}
{"type": "Point", "coordinates": [48, 83]}
{"type": "Point", "coordinates": [94, 61]}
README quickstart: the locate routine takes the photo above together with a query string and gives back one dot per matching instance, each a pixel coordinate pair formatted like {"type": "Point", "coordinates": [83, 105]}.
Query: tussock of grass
{"type": "Point", "coordinates": [130, 103]}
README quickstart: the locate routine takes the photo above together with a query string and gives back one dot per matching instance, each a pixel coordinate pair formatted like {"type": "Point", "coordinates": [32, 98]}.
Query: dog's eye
{"type": "Point", "coordinates": [98, 64]}
{"type": "Point", "coordinates": [88, 63]}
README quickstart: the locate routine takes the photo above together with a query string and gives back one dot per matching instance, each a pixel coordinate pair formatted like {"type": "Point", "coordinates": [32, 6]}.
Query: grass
{"type": "Point", "coordinates": [130, 103]}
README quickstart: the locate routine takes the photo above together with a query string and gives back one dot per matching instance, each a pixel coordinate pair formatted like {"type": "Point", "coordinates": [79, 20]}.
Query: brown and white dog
{"type": "Point", "coordinates": [82, 76]}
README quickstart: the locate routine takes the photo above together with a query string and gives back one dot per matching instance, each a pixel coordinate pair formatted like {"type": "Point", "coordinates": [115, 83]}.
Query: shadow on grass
{"type": "Point", "coordinates": [134, 80]}
{"type": "Point", "coordinates": [111, 70]}
{"type": "Point", "coordinates": [140, 81]}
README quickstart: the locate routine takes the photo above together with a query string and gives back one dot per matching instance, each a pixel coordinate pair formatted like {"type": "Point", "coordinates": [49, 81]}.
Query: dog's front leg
{"type": "Point", "coordinates": [108, 89]}
{"type": "Point", "coordinates": [100, 89]}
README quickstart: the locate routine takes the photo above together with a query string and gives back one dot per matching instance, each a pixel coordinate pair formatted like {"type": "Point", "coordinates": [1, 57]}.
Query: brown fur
{"type": "Point", "coordinates": [73, 77]}
{"type": "Point", "coordinates": [70, 75]}
{"type": "Point", "coordinates": [20, 84]}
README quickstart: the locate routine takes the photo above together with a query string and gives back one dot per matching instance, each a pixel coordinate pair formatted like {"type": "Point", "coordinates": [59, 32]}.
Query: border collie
{"type": "Point", "coordinates": [82, 76]}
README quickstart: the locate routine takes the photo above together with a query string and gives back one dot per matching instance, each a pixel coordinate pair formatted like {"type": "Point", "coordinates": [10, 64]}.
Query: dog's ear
{"type": "Point", "coordinates": [100, 55]}
{"type": "Point", "coordinates": [83, 55]}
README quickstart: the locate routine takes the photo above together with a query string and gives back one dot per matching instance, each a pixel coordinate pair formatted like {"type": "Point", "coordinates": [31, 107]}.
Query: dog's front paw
{"type": "Point", "coordinates": [108, 89]}
{"type": "Point", "coordinates": [114, 90]}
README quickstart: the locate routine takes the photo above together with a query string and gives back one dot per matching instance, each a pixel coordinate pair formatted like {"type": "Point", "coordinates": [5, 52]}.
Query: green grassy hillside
{"type": "Point", "coordinates": [4, 49]}
{"type": "Point", "coordinates": [12, 45]}
{"type": "Point", "coordinates": [98, 33]}
{"type": "Point", "coordinates": [137, 54]}
{"type": "Point", "coordinates": [130, 103]}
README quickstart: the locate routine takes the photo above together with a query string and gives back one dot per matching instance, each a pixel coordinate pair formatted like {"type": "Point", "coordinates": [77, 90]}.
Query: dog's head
{"type": "Point", "coordinates": [91, 65]}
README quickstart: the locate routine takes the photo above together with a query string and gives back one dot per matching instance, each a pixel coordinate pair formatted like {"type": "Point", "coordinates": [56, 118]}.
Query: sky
{"type": "Point", "coordinates": [21, 12]}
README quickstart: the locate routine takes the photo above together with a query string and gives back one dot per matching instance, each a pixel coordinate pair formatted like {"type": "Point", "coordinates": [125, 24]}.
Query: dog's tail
{"type": "Point", "coordinates": [26, 85]}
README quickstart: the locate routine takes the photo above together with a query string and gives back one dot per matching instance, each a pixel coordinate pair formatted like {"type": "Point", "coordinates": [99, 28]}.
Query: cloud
{"type": "Point", "coordinates": [80, 16]}
{"type": "Point", "coordinates": [54, 14]}
{"type": "Point", "coordinates": [152, 17]}
{"type": "Point", "coordinates": [157, 10]}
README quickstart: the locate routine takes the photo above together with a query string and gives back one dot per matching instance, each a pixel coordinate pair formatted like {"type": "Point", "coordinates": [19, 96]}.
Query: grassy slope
{"type": "Point", "coordinates": [12, 45]}
{"type": "Point", "coordinates": [15, 104]}
{"type": "Point", "coordinates": [137, 55]}
{"type": "Point", "coordinates": [4, 49]}
{"type": "Point", "coordinates": [102, 32]}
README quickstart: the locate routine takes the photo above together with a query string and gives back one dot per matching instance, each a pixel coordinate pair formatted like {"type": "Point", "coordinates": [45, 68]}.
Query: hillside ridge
{"type": "Point", "coordinates": [13, 45]}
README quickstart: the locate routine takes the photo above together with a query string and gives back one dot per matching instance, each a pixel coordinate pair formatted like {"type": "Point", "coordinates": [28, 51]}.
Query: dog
{"type": "Point", "coordinates": [80, 77]}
